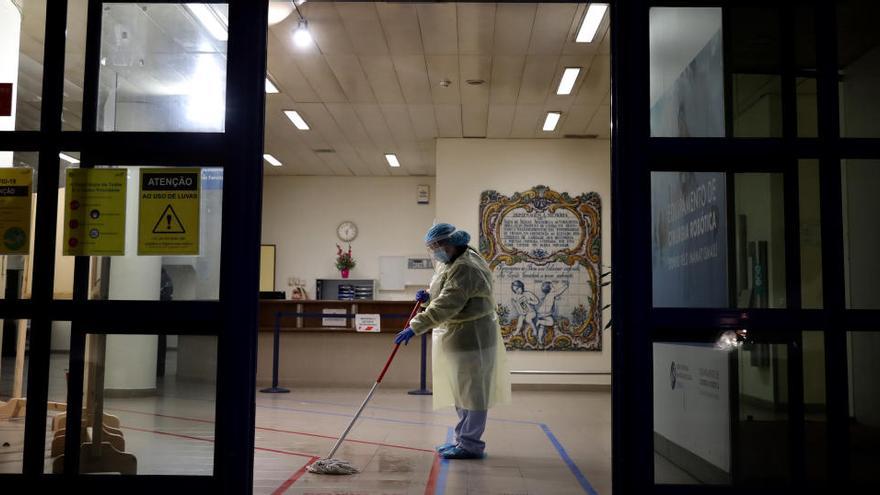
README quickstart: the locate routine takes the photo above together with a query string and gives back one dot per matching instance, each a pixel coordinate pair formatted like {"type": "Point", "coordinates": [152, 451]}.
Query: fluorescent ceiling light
{"type": "Point", "coordinates": [391, 158]}
{"type": "Point", "coordinates": [566, 84]}
{"type": "Point", "coordinates": [270, 87]}
{"type": "Point", "coordinates": [67, 158]}
{"type": "Point", "coordinates": [272, 160]}
{"type": "Point", "coordinates": [551, 121]}
{"type": "Point", "coordinates": [590, 24]}
{"type": "Point", "coordinates": [297, 120]}
{"type": "Point", "coordinates": [210, 19]}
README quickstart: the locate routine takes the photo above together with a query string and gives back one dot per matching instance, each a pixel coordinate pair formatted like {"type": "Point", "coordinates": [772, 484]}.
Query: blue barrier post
{"type": "Point", "coordinates": [423, 388]}
{"type": "Point", "coordinates": [275, 389]}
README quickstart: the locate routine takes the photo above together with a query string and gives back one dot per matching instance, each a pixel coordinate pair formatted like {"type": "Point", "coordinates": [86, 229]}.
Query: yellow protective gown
{"type": "Point", "coordinates": [469, 360]}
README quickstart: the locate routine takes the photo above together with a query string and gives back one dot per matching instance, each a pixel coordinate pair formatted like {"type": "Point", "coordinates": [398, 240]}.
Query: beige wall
{"type": "Point", "coordinates": [300, 216]}
{"type": "Point", "coordinates": [467, 167]}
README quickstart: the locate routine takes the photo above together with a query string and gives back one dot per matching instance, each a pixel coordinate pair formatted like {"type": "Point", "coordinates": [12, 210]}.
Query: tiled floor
{"type": "Point", "coordinates": [543, 443]}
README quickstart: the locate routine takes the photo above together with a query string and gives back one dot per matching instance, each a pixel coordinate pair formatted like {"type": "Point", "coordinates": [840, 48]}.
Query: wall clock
{"type": "Point", "coordinates": [347, 231]}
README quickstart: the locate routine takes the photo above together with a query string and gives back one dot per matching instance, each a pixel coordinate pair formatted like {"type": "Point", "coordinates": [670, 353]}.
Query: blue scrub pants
{"type": "Point", "coordinates": [469, 429]}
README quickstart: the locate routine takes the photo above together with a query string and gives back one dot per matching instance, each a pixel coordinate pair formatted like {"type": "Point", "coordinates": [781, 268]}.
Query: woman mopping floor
{"type": "Point", "coordinates": [469, 363]}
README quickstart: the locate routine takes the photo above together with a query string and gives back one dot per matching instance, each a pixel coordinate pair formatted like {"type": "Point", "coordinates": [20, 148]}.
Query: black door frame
{"type": "Point", "coordinates": [232, 318]}
{"type": "Point", "coordinates": [637, 324]}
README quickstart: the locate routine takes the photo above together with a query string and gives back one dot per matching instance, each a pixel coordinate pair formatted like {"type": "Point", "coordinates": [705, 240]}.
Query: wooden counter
{"type": "Point", "coordinates": [305, 315]}
{"type": "Point", "coordinates": [310, 354]}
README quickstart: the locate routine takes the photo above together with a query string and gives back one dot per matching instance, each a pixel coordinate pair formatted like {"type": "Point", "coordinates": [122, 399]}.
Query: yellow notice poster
{"type": "Point", "coordinates": [168, 221]}
{"type": "Point", "coordinates": [15, 210]}
{"type": "Point", "coordinates": [94, 216]}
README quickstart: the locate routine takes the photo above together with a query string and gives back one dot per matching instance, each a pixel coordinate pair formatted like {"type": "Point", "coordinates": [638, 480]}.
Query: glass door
{"type": "Point", "coordinates": [139, 291]}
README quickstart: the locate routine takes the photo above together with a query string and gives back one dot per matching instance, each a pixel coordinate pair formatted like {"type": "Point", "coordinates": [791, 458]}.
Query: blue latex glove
{"type": "Point", "coordinates": [404, 336]}
{"type": "Point", "coordinates": [422, 296]}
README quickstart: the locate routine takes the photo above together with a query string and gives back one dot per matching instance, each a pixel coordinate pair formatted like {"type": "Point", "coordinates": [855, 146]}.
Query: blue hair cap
{"type": "Point", "coordinates": [459, 238]}
{"type": "Point", "coordinates": [439, 232]}
{"type": "Point", "coordinates": [446, 232]}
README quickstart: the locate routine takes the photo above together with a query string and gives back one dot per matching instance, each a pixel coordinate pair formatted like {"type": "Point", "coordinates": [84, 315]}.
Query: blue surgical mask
{"type": "Point", "coordinates": [441, 255]}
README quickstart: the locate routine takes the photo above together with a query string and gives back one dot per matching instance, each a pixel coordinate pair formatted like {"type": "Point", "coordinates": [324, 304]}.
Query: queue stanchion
{"type": "Point", "coordinates": [275, 389]}
{"type": "Point", "coordinates": [423, 372]}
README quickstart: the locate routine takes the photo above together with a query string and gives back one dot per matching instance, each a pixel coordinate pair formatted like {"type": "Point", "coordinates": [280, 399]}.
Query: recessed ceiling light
{"type": "Point", "coordinates": [67, 158]}
{"type": "Point", "coordinates": [590, 24]}
{"type": "Point", "coordinates": [297, 120]}
{"type": "Point", "coordinates": [210, 19]}
{"type": "Point", "coordinates": [272, 160]}
{"type": "Point", "coordinates": [270, 87]}
{"type": "Point", "coordinates": [551, 120]}
{"type": "Point", "coordinates": [391, 158]}
{"type": "Point", "coordinates": [566, 84]}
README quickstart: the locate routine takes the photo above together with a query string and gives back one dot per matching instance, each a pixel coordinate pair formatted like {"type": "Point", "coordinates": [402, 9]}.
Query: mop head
{"type": "Point", "coordinates": [332, 466]}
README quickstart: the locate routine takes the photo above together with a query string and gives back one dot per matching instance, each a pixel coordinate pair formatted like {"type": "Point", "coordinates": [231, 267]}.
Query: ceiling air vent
{"type": "Point", "coordinates": [324, 150]}
{"type": "Point", "coordinates": [581, 136]}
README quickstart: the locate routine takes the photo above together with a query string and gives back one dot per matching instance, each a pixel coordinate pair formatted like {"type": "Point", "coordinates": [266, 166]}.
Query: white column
{"type": "Point", "coordinates": [131, 359]}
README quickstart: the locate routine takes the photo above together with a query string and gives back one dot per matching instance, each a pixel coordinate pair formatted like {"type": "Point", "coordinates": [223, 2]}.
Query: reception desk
{"type": "Point", "coordinates": [317, 351]}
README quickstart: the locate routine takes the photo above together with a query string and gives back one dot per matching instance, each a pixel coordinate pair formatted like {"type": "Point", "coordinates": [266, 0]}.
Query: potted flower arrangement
{"type": "Point", "coordinates": [344, 261]}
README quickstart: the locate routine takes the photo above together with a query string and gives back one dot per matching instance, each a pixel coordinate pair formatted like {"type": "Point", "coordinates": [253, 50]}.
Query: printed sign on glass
{"type": "Point", "coordinates": [94, 213]}
{"type": "Point", "coordinates": [689, 239]}
{"type": "Point", "coordinates": [169, 211]}
{"type": "Point", "coordinates": [15, 210]}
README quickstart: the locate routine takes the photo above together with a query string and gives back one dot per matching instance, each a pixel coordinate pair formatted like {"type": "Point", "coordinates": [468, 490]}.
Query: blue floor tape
{"type": "Point", "coordinates": [584, 482]}
{"type": "Point", "coordinates": [440, 487]}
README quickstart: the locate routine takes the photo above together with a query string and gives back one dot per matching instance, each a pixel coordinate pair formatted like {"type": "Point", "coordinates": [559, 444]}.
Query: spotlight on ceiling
{"type": "Point", "coordinates": [302, 37]}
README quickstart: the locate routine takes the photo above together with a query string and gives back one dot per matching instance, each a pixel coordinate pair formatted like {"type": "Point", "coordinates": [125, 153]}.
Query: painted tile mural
{"type": "Point", "coordinates": [544, 248]}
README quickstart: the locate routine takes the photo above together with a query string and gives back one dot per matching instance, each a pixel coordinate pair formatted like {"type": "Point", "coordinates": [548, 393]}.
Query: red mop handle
{"type": "Point", "coordinates": [397, 346]}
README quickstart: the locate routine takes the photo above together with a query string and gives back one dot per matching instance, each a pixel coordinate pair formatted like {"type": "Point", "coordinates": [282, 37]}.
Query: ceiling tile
{"type": "Point", "coordinates": [439, 25]}
{"type": "Point", "coordinates": [475, 119]}
{"type": "Point", "coordinates": [537, 78]}
{"type": "Point", "coordinates": [401, 24]}
{"type": "Point", "coordinates": [577, 119]}
{"type": "Point", "coordinates": [412, 73]}
{"type": "Point", "coordinates": [374, 122]}
{"type": "Point", "coordinates": [350, 75]}
{"type": "Point", "coordinates": [347, 120]}
{"type": "Point", "coordinates": [513, 28]}
{"type": "Point", "coordinates": [326, 28]}
{"type": "Point", "coordinates": [320, 77]}
{"type": "Point", "coordinates": [364, 29]}
{"type": "Point", "coordinates": [476, 28]}
{"type": "Point", "coordinates": [444, 67]}
{"type": "Point", "coordinates": [601, 122]}
{"type": "Point", "coordinates": [382, 77]}
{"type": "Point", "coordinates": [500, 121]}
{"type": "Point", "coordinates": [526, 121]}
{"type": "Point", "coordinates": [597, 81]}
{"type": "Point", "coordinates": [448, 120]}
{"type": "Point", "coordinates": [551, 27]}
{"type": "Point", "coordinates": [323, 122]}
{"type": "Point", "coordinates": [397, 118]}
{"type": "Point", "coordinates": [475, 68]}
{"type": "Point", "coordinates": [506, 79]}
{"type": "Point", "coordinates": [423, 121]}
